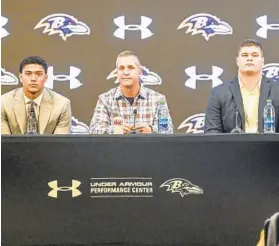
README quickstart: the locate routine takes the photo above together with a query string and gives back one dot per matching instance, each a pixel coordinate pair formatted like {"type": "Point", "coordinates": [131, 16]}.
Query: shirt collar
{"type": "Point", "coordinates": [243, 87]}
{"type": "Point", "coordinates": [36, 100]}
{"type": "Point", "coordinates": [143, 93]}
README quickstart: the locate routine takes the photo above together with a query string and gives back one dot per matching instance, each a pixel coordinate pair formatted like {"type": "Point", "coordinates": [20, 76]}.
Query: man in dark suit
{"type": "Point", "coordinates": [241, 102]}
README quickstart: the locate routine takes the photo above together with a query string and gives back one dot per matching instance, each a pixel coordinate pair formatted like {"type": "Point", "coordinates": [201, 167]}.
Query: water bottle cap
{"type": "Point", "coordinates": [162, 102]}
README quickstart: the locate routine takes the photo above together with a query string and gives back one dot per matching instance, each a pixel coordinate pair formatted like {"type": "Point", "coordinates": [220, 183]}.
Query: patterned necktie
{"type": "Point", "coordinates": [32, 124]}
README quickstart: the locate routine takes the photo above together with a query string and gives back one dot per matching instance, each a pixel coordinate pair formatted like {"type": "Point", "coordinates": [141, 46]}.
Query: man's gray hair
{"type": "Point", "coordinates": [127, 53]}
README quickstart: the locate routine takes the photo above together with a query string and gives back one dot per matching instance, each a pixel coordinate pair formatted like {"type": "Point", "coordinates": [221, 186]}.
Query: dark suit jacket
{"type": "Point", "coordinates": [226, 99]}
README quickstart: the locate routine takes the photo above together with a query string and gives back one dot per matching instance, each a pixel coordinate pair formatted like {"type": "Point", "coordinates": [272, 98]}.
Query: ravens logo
{"type": "Point", "coordinates": [64, 25]}
{"type": "Point", "coordinates": [206, 24]}
{"type": "Point", "coordinates": [182, 186]}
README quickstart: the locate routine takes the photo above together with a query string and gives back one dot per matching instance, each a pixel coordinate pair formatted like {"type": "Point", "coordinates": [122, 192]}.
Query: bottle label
{"type": "Point", "coordinates": [269, 124]}
{"type": "Point", "coordinates": [163, 125]}
{"type": "Point", "coordinates": [269, 120]}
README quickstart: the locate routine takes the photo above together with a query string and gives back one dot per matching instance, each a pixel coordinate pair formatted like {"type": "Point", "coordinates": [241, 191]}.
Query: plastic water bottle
{"type": "Point", "coordinates": [163, 119]}
{"type": "Point", "coordinates": [269, 117]}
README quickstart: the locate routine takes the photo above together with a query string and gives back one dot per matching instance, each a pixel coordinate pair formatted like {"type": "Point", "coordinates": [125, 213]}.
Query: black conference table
{"type": "Point", "coordinates": [138, 190]}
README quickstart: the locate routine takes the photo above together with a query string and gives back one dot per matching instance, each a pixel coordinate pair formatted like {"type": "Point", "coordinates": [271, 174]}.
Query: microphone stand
{"type": "Point", "coordinates": [237, 129]}
{"type": "Point", "coordinates": [134, 131]}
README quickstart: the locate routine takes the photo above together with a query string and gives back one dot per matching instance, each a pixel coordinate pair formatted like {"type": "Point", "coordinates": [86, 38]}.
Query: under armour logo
{"type": "Point", "coordinates": [122, 27]}
{"type": "Point", "coordinates": [72, 77]}
{"type": "Point", "coordinates": [55, 188]}
{"type": "Point", "coordinates": [3, 22]}
{"type": "Point", "coordinates": [264, 26]}
{"type": "Point", "coordinates": [192, 81]}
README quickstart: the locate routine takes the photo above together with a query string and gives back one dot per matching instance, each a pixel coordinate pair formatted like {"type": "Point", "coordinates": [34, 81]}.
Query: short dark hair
{"type": "Point", "coordinates": [250, 42]}
{"type": "Point", "coordinates": [33, 60]}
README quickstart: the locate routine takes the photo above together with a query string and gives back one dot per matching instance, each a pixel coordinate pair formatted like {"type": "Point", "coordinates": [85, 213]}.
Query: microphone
{"type": "Point", "coordinates": [134, 131]}
{"type": "Point", "coordinates": [237, 129]}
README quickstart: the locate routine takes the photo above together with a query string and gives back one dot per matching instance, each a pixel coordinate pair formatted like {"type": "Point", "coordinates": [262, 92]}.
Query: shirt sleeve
{"type": "Point", "coordinates": [100, 122]}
